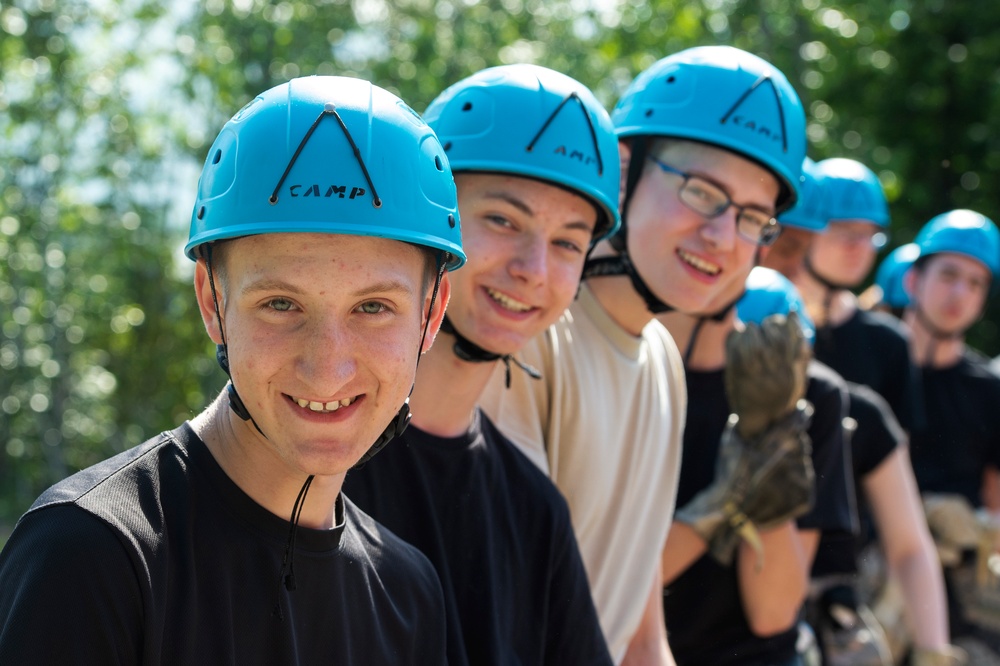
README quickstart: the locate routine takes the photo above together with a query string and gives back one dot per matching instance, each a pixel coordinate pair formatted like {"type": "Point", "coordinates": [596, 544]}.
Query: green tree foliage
{"type": "Point", "coordinates": [107, 109]}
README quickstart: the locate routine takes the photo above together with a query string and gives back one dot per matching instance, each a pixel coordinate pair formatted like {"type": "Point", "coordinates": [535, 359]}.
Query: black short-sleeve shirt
{"type": "Point", "coordinates": [871, 348]}
{"type": "Point", "coordinates": [963, 428]}
{"type": "Point", "coordinates": [499, 534]}
{"type": "Point", "coordinates": [702, 607]}
{"type": "Point", "coordinates": [156, 557]}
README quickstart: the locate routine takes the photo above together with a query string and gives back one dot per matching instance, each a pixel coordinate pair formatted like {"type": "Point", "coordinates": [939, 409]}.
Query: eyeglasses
{"type": "Point", "coordinates": [876, 238]}
{"type": "Point", "coordinates": [710, 200]}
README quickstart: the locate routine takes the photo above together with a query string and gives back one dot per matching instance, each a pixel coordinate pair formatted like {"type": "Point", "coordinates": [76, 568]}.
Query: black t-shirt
{"type": "Point", "coordinates": [876, 436]}
{"type": "Point", "coordinates": [499, 533]}
{"type": "Point", "coordinates": [871, 348]}
{"type": "Point", "coordinates": [963, 428]}
{"type": "Point", "coordinates": [702, 607]}
{"type": "Point", "coordinates": [156, 557]}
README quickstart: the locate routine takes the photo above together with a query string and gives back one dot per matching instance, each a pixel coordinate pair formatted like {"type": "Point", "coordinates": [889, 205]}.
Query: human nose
{"type": "Point", "coordinates": [327, 360]}
{"type": "Point", "coordinates": [530, 264]}
{"type": "Point", "coordinates": [720, 230]}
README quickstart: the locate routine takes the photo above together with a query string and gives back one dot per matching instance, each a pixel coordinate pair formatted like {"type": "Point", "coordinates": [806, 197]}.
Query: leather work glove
{"type": "Point", "coordinates": [952, 522]}
{"type": "Point", "coordinates": [764, 474]}
{"type": "Point", "coordinates": [948, 656]}
{"type": "Point", "coordinates": [766, 371]}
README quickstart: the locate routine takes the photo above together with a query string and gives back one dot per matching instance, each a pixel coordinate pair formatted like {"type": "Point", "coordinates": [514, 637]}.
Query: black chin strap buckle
{"type": "Point", "coordinates": [235, 401]}
{"type": "Point", "coordinates": [395, 428]}
{"type": "Point", "coordinates": [469, 351]}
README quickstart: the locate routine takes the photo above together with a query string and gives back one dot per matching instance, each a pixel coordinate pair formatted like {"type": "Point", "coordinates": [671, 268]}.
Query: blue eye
{"type": "Point", "coordinates": [372, 307]}
{"type": "Point", "coordinates": [280, 304]}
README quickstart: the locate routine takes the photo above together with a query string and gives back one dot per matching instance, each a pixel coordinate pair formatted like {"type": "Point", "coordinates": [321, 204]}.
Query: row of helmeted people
{"type": "Point", "coordinates": [556, 424]}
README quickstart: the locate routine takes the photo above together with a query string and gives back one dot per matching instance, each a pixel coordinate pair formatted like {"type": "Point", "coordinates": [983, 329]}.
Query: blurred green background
{"type": "Point", "coordinates": [107, 108]}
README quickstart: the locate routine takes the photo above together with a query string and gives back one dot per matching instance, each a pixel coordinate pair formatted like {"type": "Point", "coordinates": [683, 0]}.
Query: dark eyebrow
{"type": "Point", "coordinates": [385, 286]}
{"type": "Point", "coordinates": [526, 209]}
{"type": "Point", "coordinates": [269, 284]}
{"type": "Point", "coordinates": [512, 200]}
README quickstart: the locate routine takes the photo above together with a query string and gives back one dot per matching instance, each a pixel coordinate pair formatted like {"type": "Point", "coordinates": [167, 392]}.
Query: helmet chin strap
{"type": "Point", "coordinates": [830, 286]}
{"type": "Point", "coordinates": [469, 351]}
{"type": "Point", "coordinates": [700, 320]}
{"type": "Point", "coordinates": [236, 403]}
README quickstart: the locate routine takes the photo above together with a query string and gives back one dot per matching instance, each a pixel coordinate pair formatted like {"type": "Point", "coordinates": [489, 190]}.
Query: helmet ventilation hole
{"type": "Point", "coordinates": [437, 163]}
{"type": "Point", "coordinates": [451, 220]}
{"type": "Point", "coordinates": [218, 156]}
{"type": "Point", "coordinates": [467, 106]}
{"type": "Point", "coordinates": [671, 79]}
{"type": "Point", "coordinates": [447, 146]}
{"type": "Point", "coordinates": [649, 112]}
{"type": "Point", "coordinates": [201, 213]}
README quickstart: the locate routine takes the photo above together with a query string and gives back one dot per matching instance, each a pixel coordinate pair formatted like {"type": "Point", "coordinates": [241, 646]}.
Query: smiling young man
{"type": "Point", "coordinates": [227, 540]}
{"type": "Point", "coordinates": [714, 140]}
{"type": "Point", "coordinates": [536, 165]}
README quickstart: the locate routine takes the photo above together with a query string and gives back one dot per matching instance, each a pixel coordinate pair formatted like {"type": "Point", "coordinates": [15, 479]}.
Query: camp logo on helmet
{"type": "Point", "coordinates": [574, 154]}
{"type": "Point", "coordinates": [314, 190]}
{"type": "Point", "coordinates": [752, 125]}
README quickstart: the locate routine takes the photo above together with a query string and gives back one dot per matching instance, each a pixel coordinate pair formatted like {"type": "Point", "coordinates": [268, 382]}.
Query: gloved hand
{"type": "Point", "coordinates": [947, 656]}
{"type": "Point", "coordinates": [766, 371]}
{"type": "Point", "coordinates": [764, 475]}
{"type": "Point", "coordinates": [952, 522]}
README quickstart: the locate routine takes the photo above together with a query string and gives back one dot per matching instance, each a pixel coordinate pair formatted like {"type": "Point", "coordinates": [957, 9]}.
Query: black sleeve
{"type": "Point", "coordinates": [878, 432]}
{"type": "Point", "coordinates": [834, 509]}
{"type": "Point", "coordinates": [68, 592]}
{"type": "Point", "coordinates": [575, 632]}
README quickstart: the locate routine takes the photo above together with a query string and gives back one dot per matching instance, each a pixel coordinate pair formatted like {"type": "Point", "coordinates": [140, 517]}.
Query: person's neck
{"type": "Point", "coordinates": [928, 350]}
{"type": "Point", "coordinates": [842, 303]}
{"type": "Point", "coordinates": [447, 389]}
{"type": "Point", "coordinates": [709, 351]}
{"type": "Point", "coordinates": [617, 297]}
{"type": "Point", "coordinates": [246, 458]}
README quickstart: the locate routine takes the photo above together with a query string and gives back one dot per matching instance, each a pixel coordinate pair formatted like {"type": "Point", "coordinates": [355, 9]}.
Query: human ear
{"type": "Point", "coordinates": [206, 302]}
{"type": "Point", "coordinates": [437, 314]}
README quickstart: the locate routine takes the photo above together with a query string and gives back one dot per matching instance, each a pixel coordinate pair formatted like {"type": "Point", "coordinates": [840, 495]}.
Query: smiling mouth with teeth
{"type": "Point", "coordinates": [323, 407]}
{"type": "Point", "coordinates": [699, 263]}
{"type": "Point", "coordinates": [507, 302]}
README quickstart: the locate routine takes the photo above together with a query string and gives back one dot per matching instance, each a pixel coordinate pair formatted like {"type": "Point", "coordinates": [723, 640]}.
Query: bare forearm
{"type": "Point", "coordinates": [926, 605]}
{"type": "Point", "coordinates": [773, 588]}
{"type": "Point", "coordinates": [682, 549]}
{"type": "Point", "coordinates": [649, 646]}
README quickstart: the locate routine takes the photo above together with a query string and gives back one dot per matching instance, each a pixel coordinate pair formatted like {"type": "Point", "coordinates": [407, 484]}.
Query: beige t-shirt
{"type": "Point", "coordinates": [605, 422]}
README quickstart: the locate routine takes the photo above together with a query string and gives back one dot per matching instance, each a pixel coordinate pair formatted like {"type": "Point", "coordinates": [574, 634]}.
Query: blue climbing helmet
{"type": "Point", "coordinates": [889, 276]}
{"type": "Point", "coordinates": [722, 96]}
{"type": "Point", "coordinates": [769, 292]}
{"type": "Point", "coordinates": [328, 154]}
{"type": "Point", "coordinates": [962, 232]}
{"type": "Point", "coordinates": [852, 191]}
{"type": "Point", "coordinates": [807, 213]}
{"type": "Point", "coordinates": [532, 121]}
